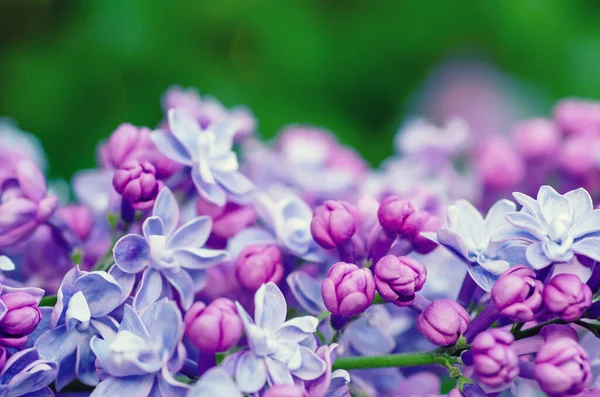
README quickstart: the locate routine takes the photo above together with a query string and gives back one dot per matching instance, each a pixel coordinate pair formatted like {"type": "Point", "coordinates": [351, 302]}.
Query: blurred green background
{"type": "Point", "coordinates": [71, 71]}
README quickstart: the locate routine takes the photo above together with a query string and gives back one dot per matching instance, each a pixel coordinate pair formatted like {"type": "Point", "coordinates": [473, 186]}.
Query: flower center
{"type": "Point", "coordinates": [558, 228]}
{"type": "Point", "coordinates": [162, 258]}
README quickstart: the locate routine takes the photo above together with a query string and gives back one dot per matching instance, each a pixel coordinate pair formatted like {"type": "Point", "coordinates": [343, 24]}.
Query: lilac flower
{"type": "Point", "coordinates": [278, 350]}
{"type": "Point", "coordinates": [172, 260]}
{"type": "Point", "coordinates": [85, 301]}
{"type": "Point", "coordinates": [25, 374]}
{"type": "Point", "coordinates": [140, 359]}
{"type": "Point", "coordinates": [216, 382]}
{"type": "Point", "coordinates": [286, 218]}
{"type": "Point", "coordinates": [554, 227]}
{"type": "Point", "coordinates": [467, 235]}
{"type": "Point", "coordinates": [307, 291]}
{"type": "Point", "coordinates": [24, 203]}
{"type": "Point", "coordinates": [208, 152]}
{"type": "Point", "coordinates": [331, 383]}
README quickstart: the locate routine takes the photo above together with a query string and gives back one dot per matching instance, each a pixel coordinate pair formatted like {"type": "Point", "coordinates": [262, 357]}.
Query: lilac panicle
{"type": "Point", "coordinates": [85, 302]}
{"type": "Point", "coordinates": [172, 259]}
{"type": "Point", "coordinates": [141, 357]}
{"type": "Point", "coordinates": [554, 227]}
{"type": "Point", "coordinates": [208, 152]}
{"type": "Point", "coordinates": [278, 350]}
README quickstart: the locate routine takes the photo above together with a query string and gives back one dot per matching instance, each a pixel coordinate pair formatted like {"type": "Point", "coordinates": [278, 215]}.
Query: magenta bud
{"type": "Point", "coordinates": [228, 220]}
{"type": "Point", "coordinates": [286, 391]}
{"type": "Point", "coordinates": [415, 224]}
{"type": "Point", "coordinates": [398, 279]}
{"type": "Point", "coordinates": [21, 316]}
{"type": "Point", "coordinates": [136, 182]}
{"type": "Point", "coordinates": [393, 212]}
{"type": "Point", "coordinates": [348, 290]}
{"type": "Point", "coordinates": [567, 297]}
{"type": "Point", "coordinates": [214, 328]}
{"type": "Point", "coordinates": [333, 223]}
{"type": "Point", "coordinates": [577, 156]}
{"type": "Point", "coordinates": [517, 294]}
{"type": "Point", "coordinates": [79, 218]}
{"type": "Point", "coordinates": [577, 116]}
{"type": "Point", "coordinates": [562, 368]}
{"type": "Point", "coordinates": [536, 138]}
{"type": "Point", "coordinates": [494, 361]}
{"type": "Point", "coordinates": [257, 265]}
{"type": "Point", "coordinates": [443, 322]}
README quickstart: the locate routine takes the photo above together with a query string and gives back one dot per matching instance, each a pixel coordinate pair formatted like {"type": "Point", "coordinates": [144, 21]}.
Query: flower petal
{"type": "Point", "coordinates": [200, 258]}
{"type": "Point", "coordinates": [495, 267]}
{"type": "Point", "coordinates": [553, 204]}
{"type": "Point", "coordinates": [164, 323]}
{"type": "Point", "coordinates": [192, 234]}
{"type": "Point", "coordinates": [589, 247]}
{"type": "Point", "coordinates": [587, 224]}
{"type": "Point", "coordinates": [170, 386]}
{"type": "Point", "coordinates": [278, 373]}
{"type": "Point", "coordinates": [149, 291]}
{"type": "Point", "coordinates": [210, 191]}
{"type": "Point", "coordinates": [580, 201]}
{"type": "Point", "coordinates": [536, 257]}
{"type": "Point", "coordinates": [270, 307]}
{"type": "Point", "coordinates": [312, 366]}
{"type": "Point", "coordinates": [234, 182]}
{"type": "Point", "coordinates": [251, 373]}
{"type": "Point", "coordinates": [130, 386]}
{"type": "Point", "coordinates": [101, 291]}
{"type": "Point", "coordinates": [496, 216]}
{"type": "Point", "coordinates": [216, 382]}
{"type": "Point", "coordinates": [131, 322]}
{"type": "Point", "coordinates": [56, 344]}
{"type": "Point", "coordinates": [483, 278]}
{"type": "Point", "coordinates": [166, 208]}
{"type": "Point", "coordinates": [528, 223]}
{"type": "Point", "coordinates": [186, 129]}
{"type": "Point", "coordinates": [131, 253]}
{"type": "Point", "coordinates": [307, 292]}
{"type": "Point", "coordinates": [168, 145]}
{"type": "Point", "coordinates": [183, 284]}
{"type": "Point", "coordinates": [530, 205]}
{"type": "Point", "coordinates": [454, 243]}
{"type": "Point", "coordinates": [249, 236]}
{"type": "Point", "coordinates": [297, 329]}
{"type": "Point", "coordinates": [32, 378]}
{"type": "Point", "coordinates": [153, 226]}
{"type": "Point", "coordinates": [126, 281]}
{"type": "Point", "coordinates": [86, 363]}
{"type": "Point", "coordinates": [78, 311]}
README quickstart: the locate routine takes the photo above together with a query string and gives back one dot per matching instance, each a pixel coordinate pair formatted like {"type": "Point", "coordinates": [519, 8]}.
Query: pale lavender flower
{"type": "Point", "coordinates": [216, 382]}
{"type": "Point", "coordinates": [172, 259]}
{"type": "Point", "coordinates": [25, 374]}
{"type": "Point", "coordinates": [141, 358]}
{"type": "Point", "coordinates": [278, 350]}
{"type": "Point", "coordinates": [554, 227]}
{"type": "Point", "coordinates": [85, 301]}
{"type": "Point", "coordinates": [467, 235]}
{"type": "Point", "coordinates": [208, 152]}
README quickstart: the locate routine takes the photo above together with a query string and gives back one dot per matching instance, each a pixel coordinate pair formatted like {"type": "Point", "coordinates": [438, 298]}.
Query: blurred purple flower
{"type": "Point", "coordinates": [216, 382]}
{"type": "Point", "coordinates": [171, 258]}
{"type": "Point", "coordinates": [85, 301]}
{"type": "Point", "coordinates": [278, 349]}
{"type": "Point", "coordinates": [208, 151]}
{"type": "Point", "coordinates": [141, 357]}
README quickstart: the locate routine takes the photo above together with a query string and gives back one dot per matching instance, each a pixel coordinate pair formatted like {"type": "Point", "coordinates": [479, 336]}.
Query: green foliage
{"type": "Point", "coordinates": [71, 71]}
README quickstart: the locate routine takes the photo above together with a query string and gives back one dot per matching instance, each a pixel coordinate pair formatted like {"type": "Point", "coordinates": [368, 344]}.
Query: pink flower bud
{"type": "Point", "coordinates": [333, 223]}
{"type": "Point", "coordinates": [137, 183]}
{"type": "Point", "coordinates": [443, 322]}
{"type": "Point", "coordinates": [348, 290]}
{"type": "Point", "coordinates": [213, 328]}
{"type": "Point", "coordinates": [567, 297]}
{"type": "Point", "coordinates": [257, 265]}
{"type": "Point", "coordinates": [517, 294]}
{"type": "Point", "coordinates": [536, 138]}
{"type": "Point", "coordinates": [494, 361]}
{"type": "Point", "coordinates": [399, 278]}
{"type": "Point", "coordinates": [393, 212]}
{"type": "Point", "coordinates": [21, 317]}
{"type": "Point", "coordinates": [562, 368]}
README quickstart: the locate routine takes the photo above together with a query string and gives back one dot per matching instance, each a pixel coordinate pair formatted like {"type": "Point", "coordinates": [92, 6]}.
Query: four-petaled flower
{"type": "Point", "coordinates": [85, 301]}
{"type": "Point", "coordinates": [279, 350]}
{"type": "Point", "coordinates": [208, 151]}
{"type": "Point", "coordinates": [554, 227]}
{"type": "Point", "coordinates": [139, 360]}
{"type": "Point", "coordinates": [170, 258]}
{"type": "Point", "coordinates": [467, 235]}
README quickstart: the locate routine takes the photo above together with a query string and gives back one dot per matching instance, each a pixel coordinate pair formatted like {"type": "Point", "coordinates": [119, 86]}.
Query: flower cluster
{"type": "Point", "coordinates": [197, 261]}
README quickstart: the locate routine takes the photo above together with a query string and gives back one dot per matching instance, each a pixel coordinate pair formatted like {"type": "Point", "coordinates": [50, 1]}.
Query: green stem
{"type": "Point", "coordinates": [396, 360]}
{"type": "Point", "coordinates": [49, 300]}
{"type": "Point", "coordinates": [533, 331]}
{"type": "Point", "coordinates": [378, 300]}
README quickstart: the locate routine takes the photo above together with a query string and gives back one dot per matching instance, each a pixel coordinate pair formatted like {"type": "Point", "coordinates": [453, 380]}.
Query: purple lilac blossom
{"type": "Point", "coordinates": [141, 357]}
{"type": "Point", "coordinates": [170, 259]}
{"type": "Point", "coordinates": [278, 350]}
{"type": "Point", "coordinates": [208, 152]}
